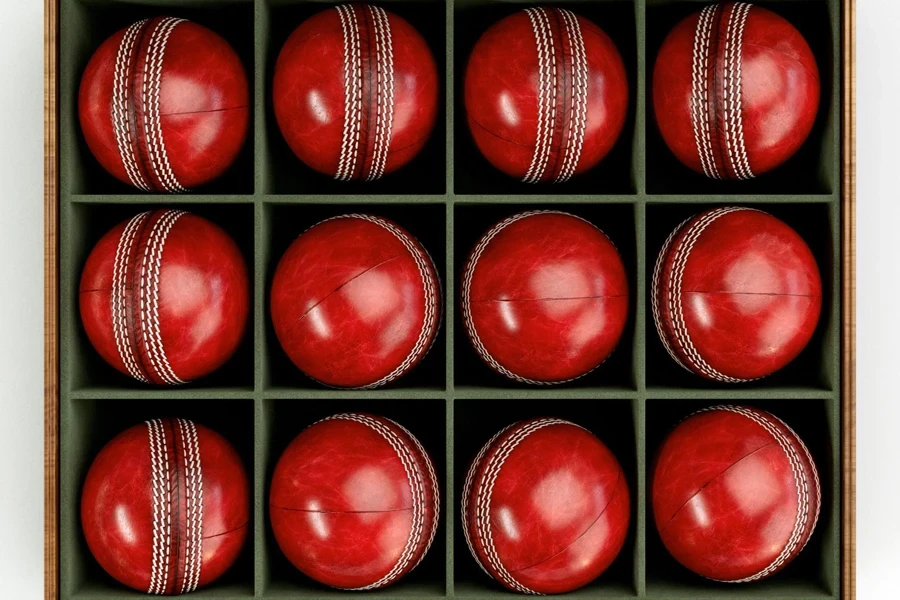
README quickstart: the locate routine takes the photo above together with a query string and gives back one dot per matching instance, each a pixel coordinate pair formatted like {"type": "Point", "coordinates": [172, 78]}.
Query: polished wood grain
{"type": "Point", "coordinates": [848, 299]}
{"type": "Point", "coordinates": [51, 303]}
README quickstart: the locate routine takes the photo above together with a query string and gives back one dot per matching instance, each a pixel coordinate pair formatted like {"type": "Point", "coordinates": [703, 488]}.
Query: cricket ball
{"type": "Point", "coordinates": [544, 297]}
{"type": "Point", "coordinates": [546, 94]}
{"type": "Point", "coordinates": [545, 507]}
{"type": "Point", "coordinates": [735, 494]}
{"type": "Point", "coordinates": [355, 501]}
{"type": "Point", "coordinates": [736, 294]}
{"type": "Point", "coordinates": [735, 90]}
{"type": "Point", "coordinates": [165, 507]}
{"type": "Point", "coordinates": [163, 105]}
{"type": "Point", "coordinates": [355, 92]}
{"type": "Point", "coordinates": [356, 301]}
{"type": "Point", "coordinates": [164, 297]}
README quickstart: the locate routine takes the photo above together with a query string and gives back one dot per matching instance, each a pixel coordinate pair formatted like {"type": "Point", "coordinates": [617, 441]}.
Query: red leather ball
{"type": "Point", "coordinates": [163, 105]}
{"type": "Point", "coordinates": [355, 92]}
{"type": "Point", "coordinates": [545, 507]}
{"type": "Point", "coordinates": [736, 294]}
{"type": "Point", "coordinates": [735, 494]}
{"type": "Point", "coordinates": [546, 94]}
{"type": "Point", "coordinates": [544, 297]}
{"type": "Point", "coordinates": [164, 297]}
{"type": "Point", "coordinates": [166, 506]}
{"type": "Point", "coordinates": [356, 301]}
{"type": "Point", "coordinates": [355, 501]}
{"type": "Point", "coordinates": [735, 90]}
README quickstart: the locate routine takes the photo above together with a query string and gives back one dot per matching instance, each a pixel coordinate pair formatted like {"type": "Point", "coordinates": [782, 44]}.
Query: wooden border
{"type": "Point", "coordinates": [51, 302]}
{"type": "Point", "coordinates": [848, 304]}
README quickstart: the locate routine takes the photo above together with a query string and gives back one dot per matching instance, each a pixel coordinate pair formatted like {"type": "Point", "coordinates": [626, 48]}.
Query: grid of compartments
{"type": "Point", "coordinates": [447, 198]}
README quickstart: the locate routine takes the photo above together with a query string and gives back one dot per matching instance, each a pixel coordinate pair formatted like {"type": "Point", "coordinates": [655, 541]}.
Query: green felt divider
{"type": "Point", "coordinates": [452, 401]}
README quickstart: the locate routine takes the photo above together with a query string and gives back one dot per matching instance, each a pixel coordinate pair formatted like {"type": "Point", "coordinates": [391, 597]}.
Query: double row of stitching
{"type": "Point", "coordinates": [656, 294]}
{"type": "Point", "coordinates": [121, 119]}
{"type": "Point", "coordinates": [675, 305]}
{"type": "Point", "coordinates": [734, 125]}
{"type": "Point", "coordinates": [547, 88]}
{"type": "Point", "coordinates": [384, 113]}
{"type": "Point", "coordinates": [150, 90]}
{"type": "Point", "coordinates": [161, 492]}
{"type": "Point", "coordinates": [485, 491]}
{"type": "Point", "coordinates": [467, 491]}
{"type": "Point", "coordinates": [120, 295]}
{"type": "Point", "coordinates": [193, 484]}
{"type": "Point", "coordinates": [467, 292]}
{"type": "Point", "coordinates": [700, 91]}
{"type": "Point", "coordinates": [416, 486]}
{"type": "Point", "coordinates": [426, 268]}
{"type": "Point", "coordinates": [435, 490]}
{"type": "Point", "coordinates": [352, 93]}
{"type": "Point", "coordinates": [800, 480]}
{"type": "Point", "coordinates": [149, 296]}
{"type": "Point", "coordinates": [577, 122]}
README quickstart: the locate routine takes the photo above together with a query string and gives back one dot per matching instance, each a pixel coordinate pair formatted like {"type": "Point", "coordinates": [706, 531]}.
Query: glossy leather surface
{"type": "Point", "coordinates": [354, 501]}
{"type": "Point", "coordinates": [779, 91]}
{"type": "Point", "coordinates": [196, 295]}
{"type": "Point", "coordinates": [735, 494]}
{"type": "Point", "coordinates": [750, 295]}
{"type": "Point", "coordinates": [548, 298]}
{"type": "Point", "coordinates": [200, 101]}
{"type": "Point", "coordinates": [309, 97]}
{"type": "Point", "coordinates": [553, 515]}
{"type": "Point", "coordinates": [121, 521]}
{"type": "Point", "coordinates": [355, 301]}
{"type": "Point", "coordinates": [503, 92]}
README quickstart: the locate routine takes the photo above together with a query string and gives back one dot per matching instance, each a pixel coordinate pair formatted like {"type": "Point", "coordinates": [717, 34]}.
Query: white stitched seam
{"type": "Point", "coordinates": [149, 296]}
{"type": "Point", "coordinates": [743, 161]}
{"type": "Point", "coordinates": [467, 491]}
{"type": "Point", "coordinates": [425, 339]}
{"type": "Point", "coordinates": [544, 120]}
{"type": "Point", "coordinates": [151, 92]}
{"type": "Point", "coordinates": [118, 297]}
{"type": "Point", "coordinates": [156, 518]}
{"type": "Point", "coordinates": [120, 117]}
{"type": "Point", "coordinates": [656, 296]}
{"type": "Point", "coordinates": [385, 110]}
{"type": "Point", "coordinates": [469, 273]}
{"type": "Point", "coordinates": [676, 308]}
{"type": "Point", "coordinates": [352, 89]}
{"type": "Point", "coordinates": [700, 92]}
{"type": "Point", "coordinates": [435, 489]}
{"type": "Point", "coordinates": [163, 519]}
{"type": "Point", "coordinates": [194, 501]}
{"type": "Point", "coordinates": [800, 481]}
{"type": "Point", "coordinates": [416, 486]}
{"type": "Point", "coordinates": [485, 490]}
{"type": "Point", "coordinates": [728, 91]}
{"type": "Point", "coordinates": [578, 114]}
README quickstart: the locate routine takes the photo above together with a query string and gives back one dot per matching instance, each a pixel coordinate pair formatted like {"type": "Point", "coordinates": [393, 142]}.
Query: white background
{"type": "Point", "coordinates": [21, 297]}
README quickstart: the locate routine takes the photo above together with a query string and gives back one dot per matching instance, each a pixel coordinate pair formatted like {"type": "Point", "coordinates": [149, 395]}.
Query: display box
{"type": "Point", "coordinates": [448, 197]}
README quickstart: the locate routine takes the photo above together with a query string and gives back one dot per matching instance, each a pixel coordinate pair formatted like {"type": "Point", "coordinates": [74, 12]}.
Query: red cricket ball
{"type": "Point", "coordinates": [356, 301]}
{"type": "Point", "coordinates": [545, 507]}
{"type": "Point", "coordinates": [544, 297]}
{"type": "Point", "coordinates": [736, 294]}
{"type": "Point", "coordinates": [355, 501]}
{"type": "Point", "coordinates": [165, 507]}
{"type": "Point", "coordinates": [164, 297]}
{"type": "Point", "coordinates": [736, 494]}
{"type": "Point", "coordinates": [163, 105]}
{"type": "Point", "coordinates": [546, 94]}
{"type": "Point", "coordinates": [735, 90]}
{"type": "Point", "coordinates": [355, 92]}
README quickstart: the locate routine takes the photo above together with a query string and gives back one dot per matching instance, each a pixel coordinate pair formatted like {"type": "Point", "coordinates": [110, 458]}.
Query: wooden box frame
{"type": "Point", "coordinates": [847, 300]}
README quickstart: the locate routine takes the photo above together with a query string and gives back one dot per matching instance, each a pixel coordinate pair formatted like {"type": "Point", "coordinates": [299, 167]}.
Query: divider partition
{"type": "Point", "coordinates": [447, 197]}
